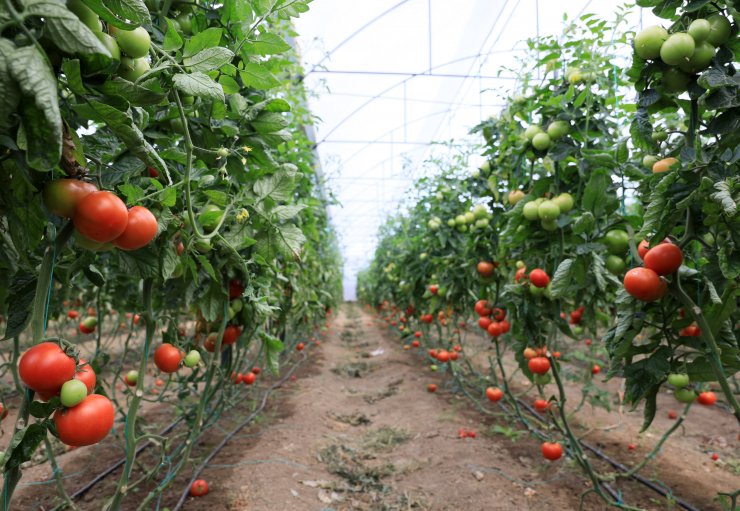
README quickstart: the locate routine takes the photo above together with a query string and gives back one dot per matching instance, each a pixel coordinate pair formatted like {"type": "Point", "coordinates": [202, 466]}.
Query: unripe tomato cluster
{"type": "Point", "coordinates": [547, 211]}
{"type": "Point", "coordinates": [101, 219]}
{"type": "Point", "coordinates": [85, 418]}
{"type": "Point", "coordinates": [477, 218]}
{"type": "Point", "coordinates": [541, 140]}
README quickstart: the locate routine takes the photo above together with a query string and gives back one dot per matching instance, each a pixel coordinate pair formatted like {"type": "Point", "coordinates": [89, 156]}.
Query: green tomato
{"type": "Point", "coordinates": [678, 380]}
{"type": "Point", "coordinates": [675, 81]}
{"type": "Point", "coordinates": [700, 59]}
{"type": "Point", "coordinates": [531, 131]}
{"type": "Point", "coordinates": [185, 22]}
{"type": "Point", "coordinates": [541, 141]}
{"type": "Point", "coordinates": [548, 210]}
{"type": "Point", "coordinates": [132, 69]}
{"type": "Point", "coordinates": [90, 322]}
{"type": "Point", "coordinates": [720, 31]}
{"type": "Point", "coordinates": [192, 358]}
{"type": "Point", "coordinates": [135, 43]}
{"type": "Point", "coordinates": [433, 367]}
{"type": "Point", "coordinates": [578, 330]}
{"type": "Point", "coordinates": [515, 196]}
{"type": "Point", "coordinates": [520, 264]}
{"type": "Point", "coordinates": [73, 393]}
{"type": "Point", "coordinates": [482, 223]}
{"type": "Point", "coordinates": [677, 48]}
{"type": "Point", "coordinates": [542, 379]}
{"type": "Point", "coordinates": [617, 241]}
{"type": "Point", "coordinates": [451, 222]}
{"type": "Point", "coordinates": [485, 167]}
{"type": "Point", "coordinates": [460, 220]}
{"type": "Point", "coordinates": [132, 377]}
{"type": "Point", "coordinates": [649, 160]}
{"type": "Point", "coordinates": [615, 265]}
{"type": "Point", "coordinates": [86, 15]}
{"type": "Point", "coordinates": [536, 291]}
{"type": "Point", "coordinates": [549, 225]}
{"type": "Point", "coordinates": [649, 41]}
{"type": "Point", "coordinates": [659, 136]}
{"type": "Point", "coordinates": [423, 256]}
{"type": "Point", "coordinates": [462, 228]}
{"type": "Point", "coordinates": [558, 129]}
{"type": "Point", "coordinates": [531, 211]}
{"type": "Point", "coordinates": [475, 173]}
{"type": "Point", "coordinates": [480, 211]}
{"type": "Point", "coordinates": [564, 201]}
{"type": "Point", "coordinates": [700, 29]}
{"type": "Point", "coordinates": [203, 246]}
{"type": "Point", "coordinates": [469, 218]}
{"type": "Point", "coordinates": [685, 395]}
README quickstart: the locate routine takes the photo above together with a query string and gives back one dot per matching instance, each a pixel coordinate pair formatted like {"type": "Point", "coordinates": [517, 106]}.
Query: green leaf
{"type": "Point", "coordinates": [209, 38]}
{"type": "Point", "coordinates": [207, 266]}
{"type": "Point", "coordinates": [267, 44]}
{"type": "Point", "coordinates": [142, 262]}
{"type": "Point", "coordinates": [169, 261]}
{"type": "Point", "coordinates": [584, 223]}
{"type": "Point", "coordinates": [199, 84]}
{"type": "Point", "coordinates": [269, 122]}
{"type": "Point", "coordinates": [714, 79]}
{"type": "Point", "coordinates": [563, 277]}
{"type": "Point", "coordinates": [64, 28]}
{"type": "Point", "coordinates": [651, 406]}
{"type": "Point", "coordinates": [24, 444]}
{"type": "Point", "coordinates": [39, 110]}
{"type": "Point", "coordinates": [277, 105]}
{"type": "Point", "coordinates": [217, 197]}
{"type": "Point", "coordinates": [42, 410]}
{"type": "Point", "coordinates": [125, 14]}
{"type": "Point", "coordinates": [11, 95]}
{"type": "Point", "coordinates": [122, 124]}
{"type": "Point", "coordinates": [658, 205]}
{"type": "Point", "coordinates": [258, 77]}
{"type": "Point", "coordinates": [291, 240]}
{"type": "Point", "coordinates": [94, 275]}
{"type": "Point", "coordinates": [209, 59]}
{"type": "Point", "coordinates": [71, 70]}
{"type": "Point", "coordinates": [20, 300]}
{"type": "Point", "coordinates": [278, 186]}
{"type": "Point", "coordinates": [211, 304]}
{"type": "Point", "coordinates": [131, 92]}
{"type": "Point", "coordinates": [172, 40]}
{"type": "Point", "coordinates": [723, 197]}
{"type": "Point", "coordinates": [287, 212]}
{"type": "Point", "coordinates": [593, 195]}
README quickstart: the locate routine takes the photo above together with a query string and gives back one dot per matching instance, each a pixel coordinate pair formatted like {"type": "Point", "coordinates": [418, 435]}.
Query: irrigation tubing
{"type": "Point", "coordinates": [235, 431]}
{"type": "Point", "coordinates": [108, 471]}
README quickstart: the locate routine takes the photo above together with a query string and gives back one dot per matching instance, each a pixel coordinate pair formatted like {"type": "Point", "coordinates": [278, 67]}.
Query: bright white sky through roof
{"type": "Point", "coordinates": [363, 148]}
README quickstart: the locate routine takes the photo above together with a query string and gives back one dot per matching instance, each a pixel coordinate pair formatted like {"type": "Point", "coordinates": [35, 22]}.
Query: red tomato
{"type": "Point", "coordinates": [434, 289]}
{"type": "Point", "coordinates": [707, 398]}
{"type": "Point", "coordinates": [484, 323]}
{"type": "Point", "coordinates": [45, 367]}
{"type": "Point", "coordinates": [495, 329]}
{"type": "Point", "coordinates": [235, 289]}
{"type": "Point", "coordinates": [210, 344]}
{"type": "Point", "coordinates": [588, 342]}
{"type": "Point", "coordinates": [715, 456]}
{"type": "Point", "coordinates": [231, 334]}
{"type": "Point", "coordinates": [541, 405]}
{"type": "Point", "coordinates": [690, 331]}
{"type": "Point", "coordinates": [433, 353]}
{"type": "Point", "coordinates": [159, 382]}
{"type": "Point", "coordinates": [432, 388]}
{"type": "Point", "coordinates": [457, 347]}
{"type": "Point", "coordinates": [300, 346]}
{"type": "Point", "coordinates": [494, 394]}
{"type": "Point", "coordinates": [672, 415]}
{"type": "Point", "coordinates": [199, 488]}
{"type": "Point", "coordinates": [461, 433]}
{"type": "Point", "coordinates": [101, 217]}
{"type": "Point", "coordinates": [73, 314]}
{"type": "Point", "coordinates": [443, 356]}
{"type": "Point", "coordinates": [152, 172]}
{"type": "Point", "coordinates": [180, 248]}
{"type": "Point", "coordinates": [505, 326]}
{"type": "Point", "coordinates": [631, 447]}
{"type": "Point", "coordinates": [3, 411]}
{"type": "Point", "coordinates": [538, 365]}
{"type": "Point", "coordinates": [61, 196]}
{"type": "Point", "coordinates": [596, 369]}
{"type": "Point", "coordinates": [529, 353]}
{"type": "Point", "coordinates": [454, 355]}
{"type": "Point", "coordinates": [249, 378]}
{"type": "Point", "coordinates": [427, 318]}
{"type": "Point", "coordinates": [643, 248]}
{"type": "Point", "coordinates": [521, 273]}
{"type": "Point", "coordinates": [664, 259]}
{"type": "Point", "coordinates": [137, 318]}
{"type": "Point", "coordinates": [167, 358]}
{"type": "Point", "coordinates": [256, 370]}
{"type": "Point", "coordinates": [552, 451]}
{"type": "Point", "coordinates": [481, 308]}
{"type": "Point", "coordinates": [644, 284]}
{"type": "Point", "coordinates": [471, 434]}
{"type": "Point", "coordinates": [415, 344]}
{"type": "Point", "coordinates": [539, 278]}
{"type": "Point", "coordinates": [140, 229]}
{"type": "Point", "coordinates": [86, 375]}
{"type": "Point", "coordinates": [485, 269]}
{"type": "Point", "coordinates": [499, 314]}
{"type": "Point", "coordinates": [417, 335]}
{"type": "Point", "coordinates": [87, 423]}
{"type": "Point", "coordinates": [556, 354]}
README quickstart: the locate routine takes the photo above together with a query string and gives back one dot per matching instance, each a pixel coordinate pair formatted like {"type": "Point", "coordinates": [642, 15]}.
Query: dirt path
{"type": "Point", "coordinates": [361, 432]}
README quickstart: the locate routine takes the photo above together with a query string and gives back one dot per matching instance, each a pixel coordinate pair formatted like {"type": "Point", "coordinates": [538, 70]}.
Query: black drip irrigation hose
{"type": "Point", "coordinates": [234, 432]}
{"type": "Point", "coordinates": [108, 471]}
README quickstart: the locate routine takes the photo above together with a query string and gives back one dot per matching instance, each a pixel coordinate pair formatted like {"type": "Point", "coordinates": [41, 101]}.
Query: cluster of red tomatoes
{"type": "Point", "coordinates": [646, 283]}
{"type": "Point", "coordinates": [445, 356]}
{"type": "Point", "coordinates": [85, 418]}
{"type": "Point", "coordinates": [492, 320]}
{"type": "Point", "coordinates": [577, 315]}
{"type": "Point", "coordinates": [101, 218]}
{"type": "Point", "coordinates": [248, 378]}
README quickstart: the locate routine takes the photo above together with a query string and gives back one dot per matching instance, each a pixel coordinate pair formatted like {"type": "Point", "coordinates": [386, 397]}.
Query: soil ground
{"type": "Point", "coordinates": [358, 430]}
